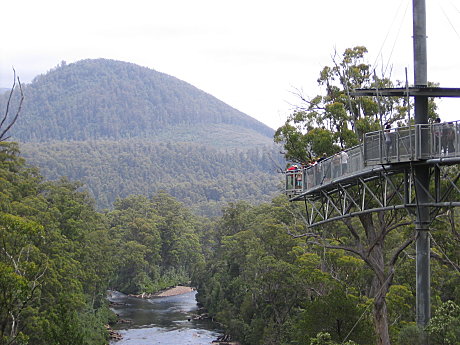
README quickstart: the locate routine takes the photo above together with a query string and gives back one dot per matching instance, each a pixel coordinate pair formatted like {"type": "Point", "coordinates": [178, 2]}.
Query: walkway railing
{"type": "Point", "coordinates": [340, 165]}
{"type": "Point", "coordinates": [399, 145]}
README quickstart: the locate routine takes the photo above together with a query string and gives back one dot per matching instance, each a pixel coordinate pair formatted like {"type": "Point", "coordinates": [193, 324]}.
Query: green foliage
{"type": "Point", "coordinates": [123, 129]}
{"type": "Point", "coordinates": [323, 338]}
{"type": "Point", "coordinates": [50, 239]}
{"type": "Point", "coordinates": [444, 326]}
{"type": "Point", "coordinates": [410, 334]}
{"type": "Point", "coordinates": [263, 284]}
{"type": "Point", "coordinates": [337, 313]}
{"type": "Point", "coordinates": [295, 143]}
{"type": "Point", "coordinates": [202, 177]}
{"type": "Point", "coordinates": [58, 255]}
{"type": "Point", "coordinates": [157, 242]}
{"type": "Point", "coordinates": [321, 141]}
{"type": "Point", "coordinates": [334, 120]}
{"type": "Point", "coordinates": [401, 305]}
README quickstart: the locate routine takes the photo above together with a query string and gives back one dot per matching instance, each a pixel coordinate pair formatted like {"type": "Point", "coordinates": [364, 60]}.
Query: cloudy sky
{"type": "Point", "coordinates": [251, 54]}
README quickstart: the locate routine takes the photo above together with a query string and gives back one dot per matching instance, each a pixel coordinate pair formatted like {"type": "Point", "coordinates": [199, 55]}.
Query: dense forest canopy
{"type": "Point", "coordinates": [196, 174]}
{"type": "Point", "coordinates": [262, 284]}
{"type": "Point", "coordinates": [58, 255]}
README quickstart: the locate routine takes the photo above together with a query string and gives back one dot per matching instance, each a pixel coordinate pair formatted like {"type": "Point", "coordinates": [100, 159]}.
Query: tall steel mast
{"type": "Point", "coordinates": [422, 174]}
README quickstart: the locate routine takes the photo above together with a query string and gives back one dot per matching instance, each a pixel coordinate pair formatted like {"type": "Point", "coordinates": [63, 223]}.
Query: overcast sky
{"type": "Point", "coordinates": [251, 54]}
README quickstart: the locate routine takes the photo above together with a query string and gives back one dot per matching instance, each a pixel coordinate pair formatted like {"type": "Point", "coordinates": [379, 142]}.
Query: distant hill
{"type": "Point", "coordinates": [107, 99]}
{"type": "Point", "coordinates": [124, 129]}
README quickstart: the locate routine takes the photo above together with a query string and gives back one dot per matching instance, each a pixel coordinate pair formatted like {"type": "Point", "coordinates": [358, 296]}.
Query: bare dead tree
{"type": "Point", "coordinates": [8, 119]}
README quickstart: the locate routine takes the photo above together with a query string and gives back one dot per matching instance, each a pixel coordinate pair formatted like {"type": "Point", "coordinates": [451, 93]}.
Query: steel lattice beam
{"type": "Point", "coordinates": [383, 191]}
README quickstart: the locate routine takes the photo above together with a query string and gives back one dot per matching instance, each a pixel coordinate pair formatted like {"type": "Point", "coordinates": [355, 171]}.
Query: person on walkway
{"type": "Point", "coordinates": [344, 161]}
{"type": "Point", "coordinates": [323, 157]}
{"type": "Point", "coordinates": [291, 174]}
{"type": "Point", "coordinates": [311, 173]}
{"type": "Point", "coordinates": [388, 141]}
{"type": "Point", "coordinates": [448, 137]}
{"type": "Point", "coordinates": [336, 165]}
{"type": "Point", "coordinates": [437, 134]}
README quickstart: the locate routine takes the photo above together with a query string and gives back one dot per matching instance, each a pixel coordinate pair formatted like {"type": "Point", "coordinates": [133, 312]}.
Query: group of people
{"type": "Point", "coordinates": [444, 137]}
{"type": "Point", "coordinates": [339, 164]}
{"type": "Point", "coordinates": [319, 170]}
{"type": "Point", "coordinates": [294, 177]}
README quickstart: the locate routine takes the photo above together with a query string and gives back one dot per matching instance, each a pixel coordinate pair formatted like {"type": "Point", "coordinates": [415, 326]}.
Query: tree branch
{"type": "Point", "coordinates": [401, 249]}
{"type": "Point", "coordinates": [3, 136]}
{"type": "Point", "coordinates": [434, 255]}
{"type": "Point", "coordinates": [347, 222]}
{"type": "Point", "coordinates": [348, 249]}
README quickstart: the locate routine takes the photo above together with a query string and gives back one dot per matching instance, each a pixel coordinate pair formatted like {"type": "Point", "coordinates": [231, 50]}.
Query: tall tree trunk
{"type": "Point", "coordinates": [381, 318]}
{"type": "Point", "coordinates": [381, 281]}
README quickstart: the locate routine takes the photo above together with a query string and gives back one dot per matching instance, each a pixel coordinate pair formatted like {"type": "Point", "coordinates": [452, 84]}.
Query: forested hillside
{"type": "Point", "coordinates": [202, 177]}
{"type": "Point", "coordinates": [260, 270]}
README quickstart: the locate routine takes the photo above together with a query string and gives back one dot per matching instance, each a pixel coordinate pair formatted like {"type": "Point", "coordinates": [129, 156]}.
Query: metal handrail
{"type": "Point", "coordinates": [440, 140]}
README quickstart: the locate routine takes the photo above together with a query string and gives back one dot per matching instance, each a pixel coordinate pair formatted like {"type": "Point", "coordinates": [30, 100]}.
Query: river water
{"type": "Point", "coordinates": [161, 321]}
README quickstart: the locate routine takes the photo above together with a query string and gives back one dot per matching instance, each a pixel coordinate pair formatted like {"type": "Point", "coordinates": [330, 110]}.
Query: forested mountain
{"type": "Point", "coordinates": [123, 129]}
{"type": "Point", "coordinates": [107, 99]}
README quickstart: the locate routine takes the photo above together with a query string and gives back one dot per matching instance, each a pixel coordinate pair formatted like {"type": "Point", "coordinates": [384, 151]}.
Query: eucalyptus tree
{"type": "Point", "coordinates": [333, 121]}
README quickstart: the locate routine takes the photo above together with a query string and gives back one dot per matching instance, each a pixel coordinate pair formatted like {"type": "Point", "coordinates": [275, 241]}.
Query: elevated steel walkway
{"type": "Point", "coordinates": [378, 174]}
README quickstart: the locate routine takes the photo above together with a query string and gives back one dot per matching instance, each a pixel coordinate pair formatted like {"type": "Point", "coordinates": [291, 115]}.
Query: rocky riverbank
{"type": "Point", "coordinates": [113, 335]}
{"type": "Point", "coordinates": [225, 340]}
{"type": "Point", "coordinates": [172, 291]}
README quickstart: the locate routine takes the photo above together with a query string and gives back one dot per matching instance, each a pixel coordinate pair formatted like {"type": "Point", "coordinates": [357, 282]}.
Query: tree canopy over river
{"type": "Point", "coordinates": [263, 284]}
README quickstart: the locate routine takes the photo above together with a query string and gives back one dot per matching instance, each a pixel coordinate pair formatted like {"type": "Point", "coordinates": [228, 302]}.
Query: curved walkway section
{"type": "Point", "coordinates": [387, 148]}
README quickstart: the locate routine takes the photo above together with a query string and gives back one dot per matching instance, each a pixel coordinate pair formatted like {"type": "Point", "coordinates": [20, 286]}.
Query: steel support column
{"type": "Point", "coordinates": [422, 183]}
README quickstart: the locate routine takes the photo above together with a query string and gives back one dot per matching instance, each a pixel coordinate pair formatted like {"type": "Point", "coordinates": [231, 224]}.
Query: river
{"type": "Point", "coordinates": [161, 321]}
